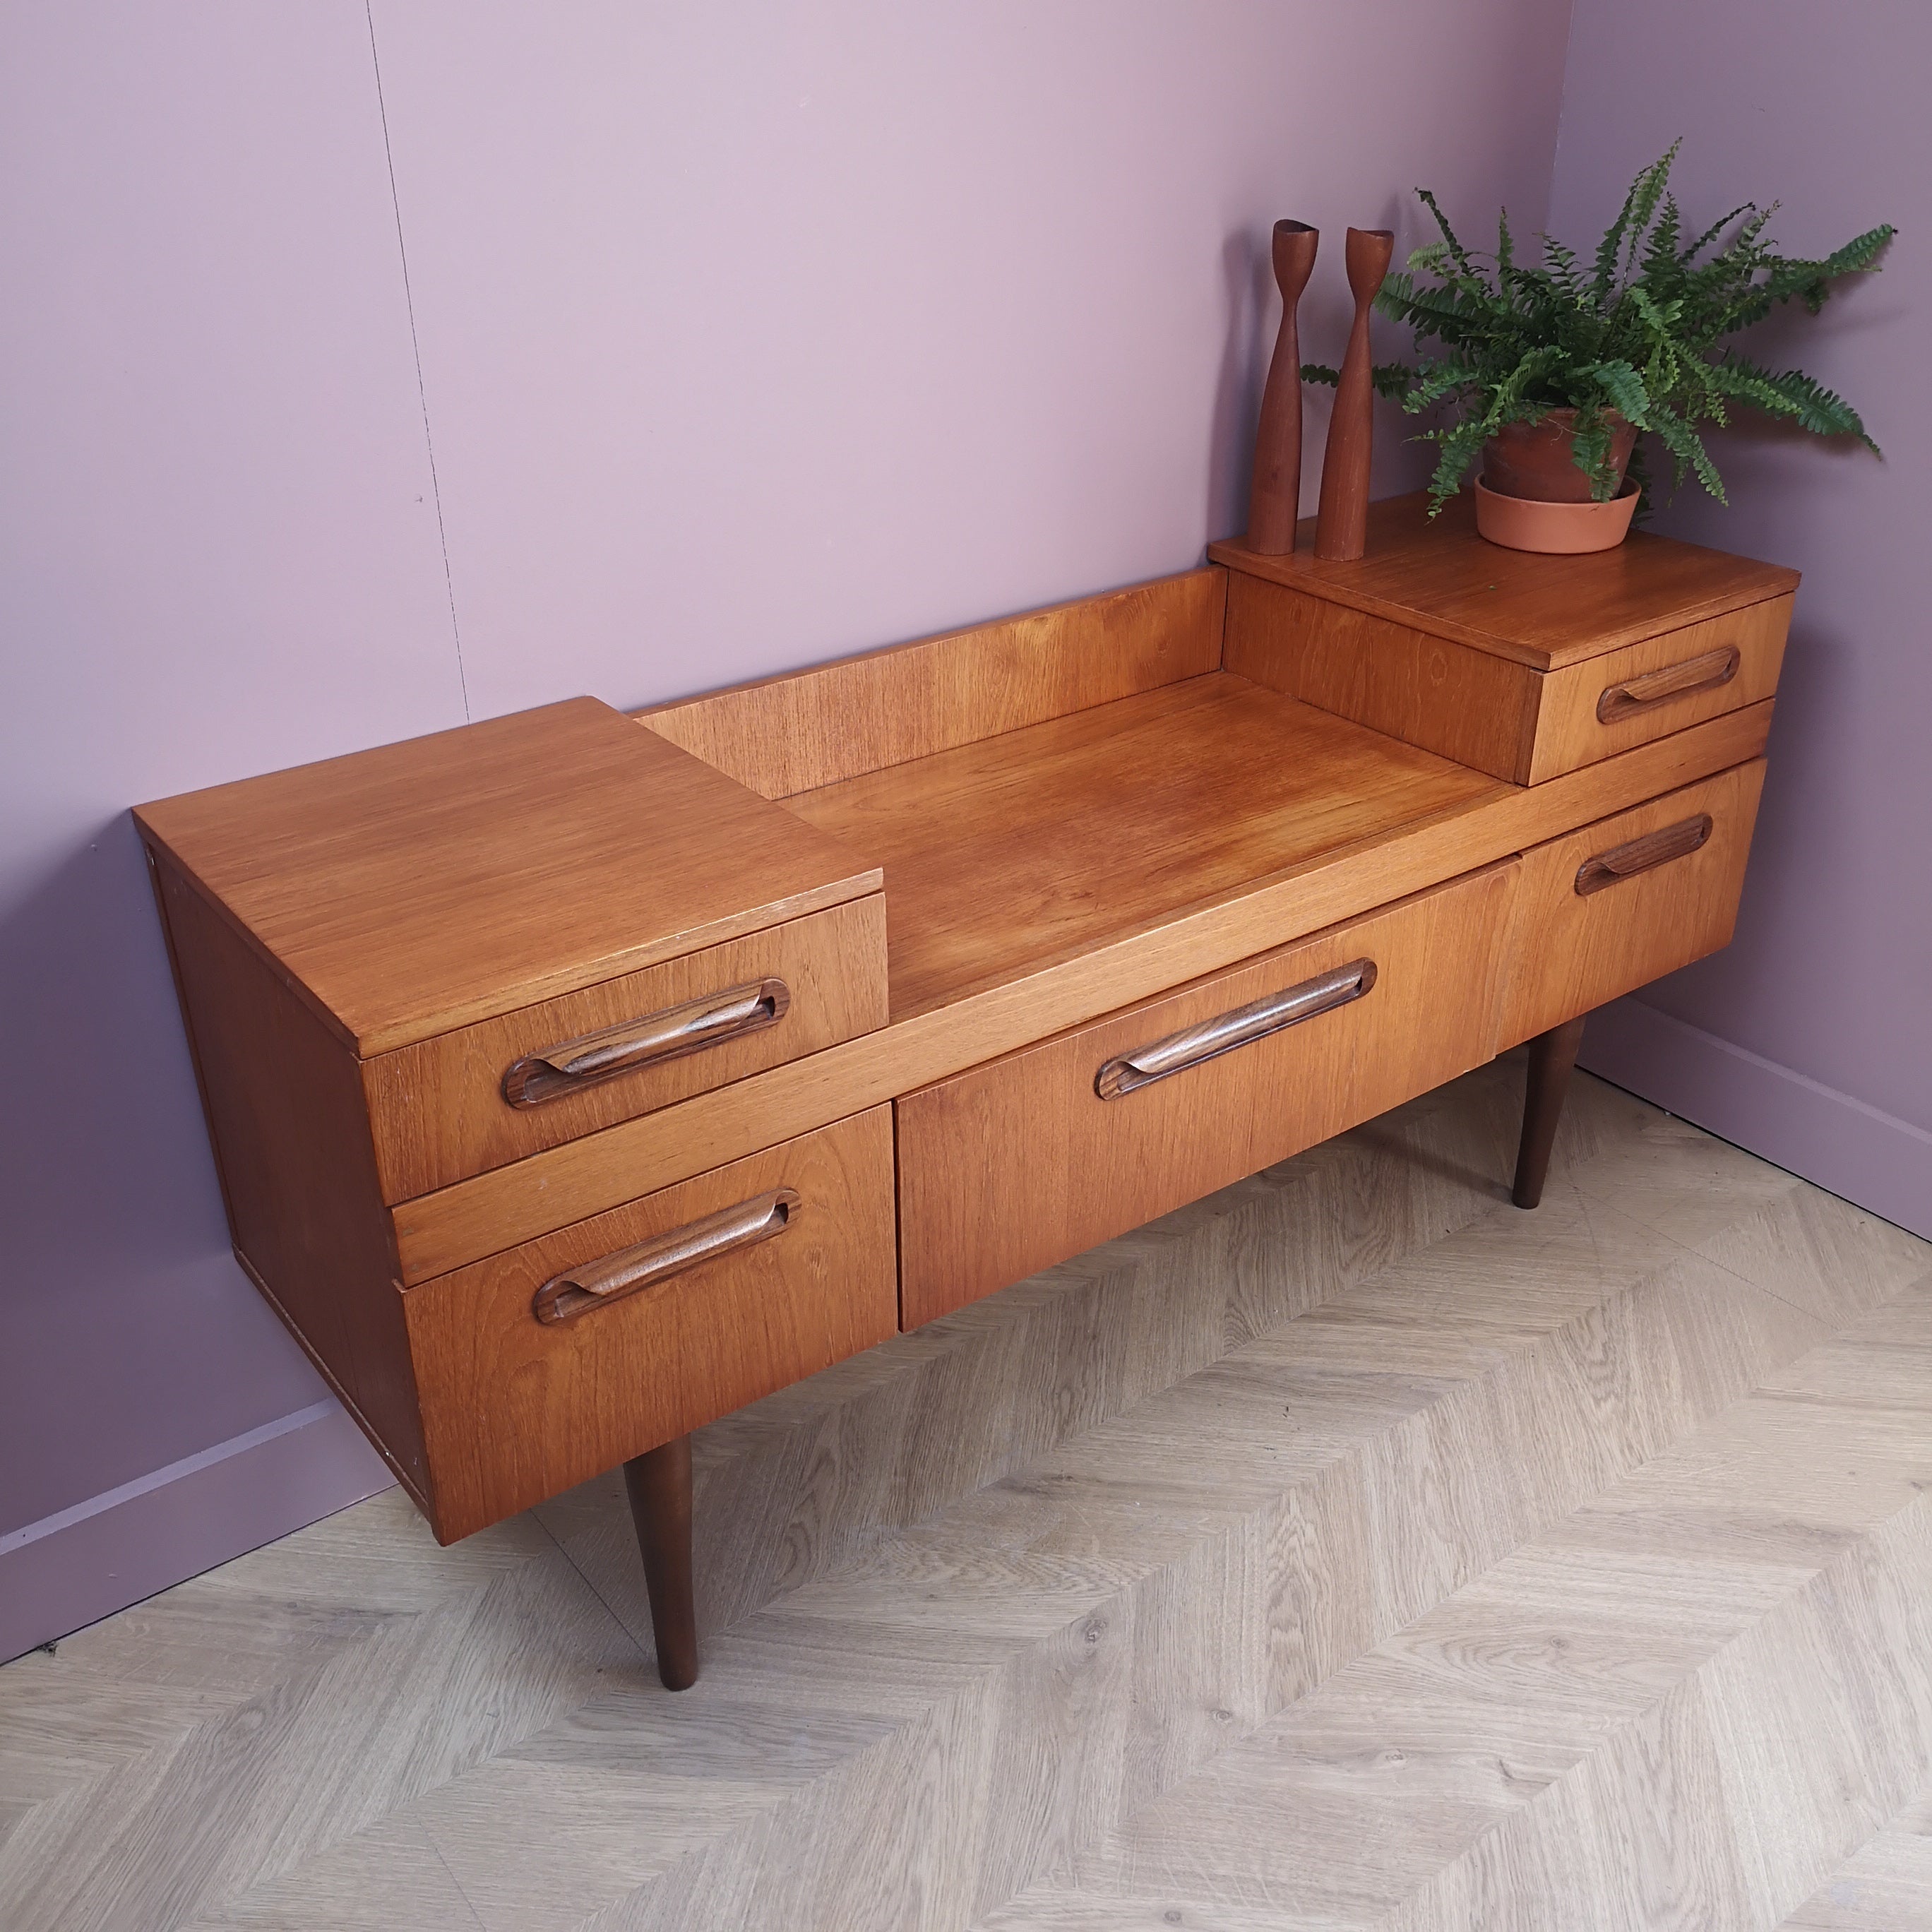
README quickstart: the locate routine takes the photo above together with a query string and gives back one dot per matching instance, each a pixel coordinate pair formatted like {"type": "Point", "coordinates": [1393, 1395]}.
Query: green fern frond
{"type": "Point", "coordinates": [1427, 311]}
{"type": "Point", "coordinates": [1456, 449]}
{"type": "Point", "coordinates": [1687, 451]}
{"type": "Point", "coordinates": [1858, 255]}
{"type": "Point", "coordinates": [1457, 253]}
{"type": "Point", "coordinates": [1433, 382]}
{"type": "Point", "coordinates": [1617, 249]}
{"type": "Point", "coordinates": [1395, 380]}
{"type": "Point", "coordinates": [1660, 251]}
{"type": "Point", "coordinates": [1792, 394]}
{"type": "Point", "coordinates": [1687, 255]}
{"type": "Point", "coordinates": [1645, 193]}
{"type": "Point", "coordinates": [1810, 281]}
{"type": "Point", "coordinates": [1562, 267]}
{"type": "Point", "coordinates": [1624, 390]}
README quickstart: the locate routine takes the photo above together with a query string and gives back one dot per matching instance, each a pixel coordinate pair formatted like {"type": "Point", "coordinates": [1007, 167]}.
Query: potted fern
{"type": "Point", "coordinates": [1553, 368]}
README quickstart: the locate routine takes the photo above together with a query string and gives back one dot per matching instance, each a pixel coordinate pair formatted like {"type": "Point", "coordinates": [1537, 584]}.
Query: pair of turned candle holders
{"type": "Point", "coordinates": [1341, 517]}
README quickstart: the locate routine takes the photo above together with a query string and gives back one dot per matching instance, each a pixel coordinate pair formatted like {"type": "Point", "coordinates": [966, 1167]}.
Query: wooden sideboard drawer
{"type": "Point", "coordinates": [1622, 902]}
{"type": "Point", "coordinates": [1606, 704]}
{"type": "Point", "coordinates": [1012, 1166]}
{"type": "Point", "coordinates": [1490, 711]}
{"type": "Point", "coordinates": [545, 1365]}
{"type": "Point", "coordinates": [442, 1109]}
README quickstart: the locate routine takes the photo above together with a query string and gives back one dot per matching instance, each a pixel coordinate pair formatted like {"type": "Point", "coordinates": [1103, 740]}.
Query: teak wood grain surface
{"type": "Point", "coordinates": [515, 1410]}
{"type": "Point", "coordinates": [438, 1107]}
{"type": "Point", "coordinates": [1470, 705]}
{"type": "Point", "coordinates": [477, 1217]}
{"type": "Point", "coordinates": [813, 727]}
{"type": "Point", "coordinates": [1437, 576]}
{"type": "Point", "coordinates": [1005, 855]}
{"type": "Point", "coordinates": [421, 886]}
{"type": "Point", "coordinates": [1015, 1166]}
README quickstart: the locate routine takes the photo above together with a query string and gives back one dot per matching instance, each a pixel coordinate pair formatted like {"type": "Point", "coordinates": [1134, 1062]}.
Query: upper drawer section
{"type": "Point", "coordinates": [1521, 666]}
{"type": "Point", "coordinates": [417, 888]}
{"type": "Point", "coordinates": [485, 1095]}
{"type": "Point", "coordinates": [1491, 713]}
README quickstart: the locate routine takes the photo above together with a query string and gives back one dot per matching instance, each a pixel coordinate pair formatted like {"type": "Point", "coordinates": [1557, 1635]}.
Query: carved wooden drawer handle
{"type": "Point", "coordinates": [1642, 855]}
{"type": "Point", "coordinates": [573, 1064]}
{"type": "Point", "coordinates": [598, 1283]}
{"type": "Point", "coordinates": [1705, 672]}
{"type": "Point", "coordinates": [1195, 1045]}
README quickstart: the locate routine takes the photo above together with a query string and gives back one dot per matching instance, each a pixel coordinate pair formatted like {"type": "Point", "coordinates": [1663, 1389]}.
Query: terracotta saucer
{"type": "Point", "coordinates": [1564, 530]}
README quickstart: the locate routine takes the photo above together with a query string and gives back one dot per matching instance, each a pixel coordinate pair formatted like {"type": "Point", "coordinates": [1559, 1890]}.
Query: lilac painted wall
{"type": "Point", "coordinates": [220, 555]}
{"type": "Point", "coordinates": [1810, 1039]}
{"type": "Point", "coordinates": [754, 335]}
{"type": "Point", "coordinates": [748, 335]}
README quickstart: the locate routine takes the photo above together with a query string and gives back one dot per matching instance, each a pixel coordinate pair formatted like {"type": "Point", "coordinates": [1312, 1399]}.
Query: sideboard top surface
{"type": "Point", "coordinates": [419, 886]}
{"type": "Point", "coordinates": [1006, 855]}
{"type": "Point", "coordinates": [1437, 575]}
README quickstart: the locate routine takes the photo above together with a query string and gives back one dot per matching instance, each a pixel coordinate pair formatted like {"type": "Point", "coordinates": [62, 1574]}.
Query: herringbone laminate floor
{"type": "Point", "coordinates": [1349, 1550]}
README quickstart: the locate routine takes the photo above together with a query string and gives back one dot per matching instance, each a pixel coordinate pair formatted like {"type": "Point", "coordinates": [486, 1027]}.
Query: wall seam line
{"type": "Point", "coordinates": [415, 346]}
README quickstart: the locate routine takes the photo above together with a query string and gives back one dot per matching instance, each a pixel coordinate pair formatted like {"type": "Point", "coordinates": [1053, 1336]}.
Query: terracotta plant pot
{"type": "Point", "coordinates": [1538, 459]}
{"type": "Point", "coordinates": [1562, 530]}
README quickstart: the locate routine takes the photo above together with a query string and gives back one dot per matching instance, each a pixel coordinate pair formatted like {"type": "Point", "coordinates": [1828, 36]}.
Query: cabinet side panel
{"type": "Point", "coordinates": [284, 1102]}
{"type": "Point", "coordinates": [1461, 703]}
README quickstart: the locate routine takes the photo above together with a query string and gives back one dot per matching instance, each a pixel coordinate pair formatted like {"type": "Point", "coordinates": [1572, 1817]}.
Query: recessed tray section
{"type": "Point", "coordinates": [1008, 855]}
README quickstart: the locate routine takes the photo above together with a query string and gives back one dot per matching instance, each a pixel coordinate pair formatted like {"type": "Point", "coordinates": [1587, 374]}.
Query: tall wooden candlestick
{"type": "Point", "coordinates": [1275, 501]}
{"type": "Point", "coordinates": [1342, 519]}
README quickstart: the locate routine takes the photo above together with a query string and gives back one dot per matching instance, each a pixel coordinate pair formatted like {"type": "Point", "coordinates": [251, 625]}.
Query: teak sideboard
{"type": "Point", "coordinates": [574, 1078]}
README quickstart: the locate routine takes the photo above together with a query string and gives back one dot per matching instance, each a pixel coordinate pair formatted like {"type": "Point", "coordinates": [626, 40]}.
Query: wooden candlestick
{"type": "Point", "coordinates": [1275, 501]}
{"type": "Point", "coordinates": [1342, 519]}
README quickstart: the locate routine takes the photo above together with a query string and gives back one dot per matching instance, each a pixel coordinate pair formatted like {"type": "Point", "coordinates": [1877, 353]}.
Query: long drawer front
{"type": "Point", "coordinates": [543, 1366]}
{"type": "Point", "coordinates": [1625, 900]}
{"type": "Point", "coordinates": [1016, 1164]}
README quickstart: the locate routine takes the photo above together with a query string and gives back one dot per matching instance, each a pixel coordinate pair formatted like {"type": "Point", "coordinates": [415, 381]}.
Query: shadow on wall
{"type": "Point", "coordinates": [108, 1179]}
{"type": "Point", "coordinates": [1248, 280]}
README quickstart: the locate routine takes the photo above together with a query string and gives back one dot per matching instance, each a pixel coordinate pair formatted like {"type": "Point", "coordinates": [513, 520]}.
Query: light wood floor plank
{"type": "Point", "coordinates": [1585, 1736]}
{"type": "Point", "coordinates": [1885, 1886]}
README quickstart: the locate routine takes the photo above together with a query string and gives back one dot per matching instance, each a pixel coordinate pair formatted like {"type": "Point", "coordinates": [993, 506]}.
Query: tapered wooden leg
{"type": "Point", "coordinates": [1552, 1056]}
{"type": "Point", "coordinates": [659, 1483]}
